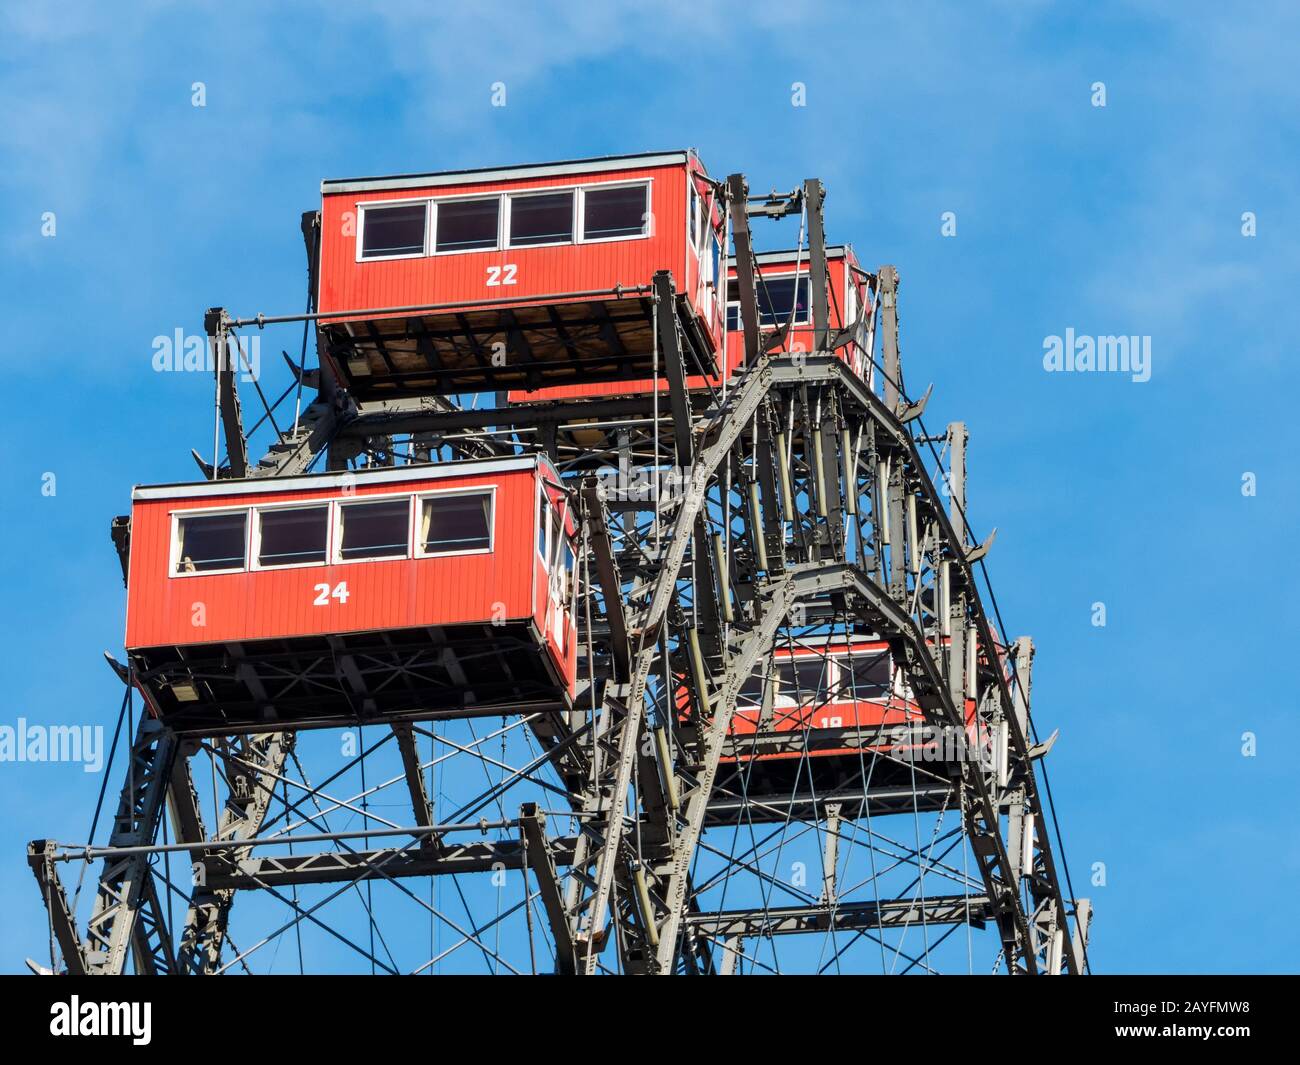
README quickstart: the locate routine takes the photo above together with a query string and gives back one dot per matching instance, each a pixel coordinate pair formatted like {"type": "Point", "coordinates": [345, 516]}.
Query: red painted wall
{"type": "Point", "coordinates": [346, 284]}
{"type": "Point", "coordinates": [382, 594]}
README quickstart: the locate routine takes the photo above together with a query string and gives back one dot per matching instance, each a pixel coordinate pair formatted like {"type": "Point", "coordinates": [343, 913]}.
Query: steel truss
{"type": "Point", "coordinates": [798, 505]}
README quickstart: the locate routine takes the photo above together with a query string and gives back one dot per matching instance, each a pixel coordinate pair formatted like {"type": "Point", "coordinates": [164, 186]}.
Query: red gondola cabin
{"type": "Point", "coordinates": [814, 719]}
{"type": "Point", "coordinates": [831, 701]}
{"type": "Point", "coordinates": [413, 590]}
{"type": "Point", "coordinates": [515, 276]}
{"type": "Point", "coordinates": [784, 301]}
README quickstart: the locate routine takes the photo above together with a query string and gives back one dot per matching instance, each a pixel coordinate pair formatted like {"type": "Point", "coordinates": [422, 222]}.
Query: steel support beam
{"type": "Point", "coordinates": [842, 917]}
{"type": "Point", "coordinates": [216, 323]}
{"type": "Point", "coordinates": [335, 867]}
{"type": "Point", "coordinates": [746, 272]}
{"type": "Point", "coordinates": [123, 880]}
{"type": "Point", "coordinates": [893, 373]}
{"type": "Point", "coordinates": [253, 769]}
{"type": "Point", "coordinates": [814, 195]}
{"type": "Point", "coordinates": [414, 773]}
{"type": "Point", "coordinates": [63, 922]}
{"type": "Point", "coordinates": [611, 589]}
{"type": "Point", "coordinates": [537, 856]}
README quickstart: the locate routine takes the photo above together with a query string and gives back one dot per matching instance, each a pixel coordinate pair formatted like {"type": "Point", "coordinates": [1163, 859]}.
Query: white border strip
{"type": "Point", "coordinates": [269, 485]}
{"type": "Point", "coordinates": [505, 173]}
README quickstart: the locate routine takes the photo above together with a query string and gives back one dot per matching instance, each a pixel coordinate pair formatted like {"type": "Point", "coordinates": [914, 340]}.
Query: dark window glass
{"type": "Point", "coordinates": [803, 680]}
{"type": "Point", "coordinates": [693, 219]}
{"type": "Point", "coordinates": [464, 224]}
{"type": "Point", "coordinates": [211, 541]}
{"type": "Point", "coordinates": [776, 297]}
{"type": "Point", "coordinates": [541, 530]}
{"type": "Point", "coordinates": [291, 537]}
{"type": "Point", "coordinates": [374, 530]}
{"type": "Point", "coordinates": [865, 676]}
{"type": "Point", "coordinates": [543, 219]}
{"type": "Point", "coordinates": [618, 212]}
{"type": "Point", "coordinates": [456, 523]}
{"type": "Point", "coordinates": [393, 231]}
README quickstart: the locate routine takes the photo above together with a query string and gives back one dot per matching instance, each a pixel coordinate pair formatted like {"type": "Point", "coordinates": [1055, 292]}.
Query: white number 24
{"type": "Point", "coordinates": [324, 594]}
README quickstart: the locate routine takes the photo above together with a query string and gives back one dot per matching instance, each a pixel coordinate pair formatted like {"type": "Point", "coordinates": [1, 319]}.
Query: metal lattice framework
{"type": "Point", "coordinates": [800, 505]}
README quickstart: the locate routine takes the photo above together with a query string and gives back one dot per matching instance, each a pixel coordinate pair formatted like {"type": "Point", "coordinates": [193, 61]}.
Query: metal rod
{"type": "Point", "coordinates": [618, 292]}
{"type": "Point", "coordinates": [72, 853]}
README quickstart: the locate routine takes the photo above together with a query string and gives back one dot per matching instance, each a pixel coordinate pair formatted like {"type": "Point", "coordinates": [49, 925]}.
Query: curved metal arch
{"type": "Point", "coordinates": [724, 429]}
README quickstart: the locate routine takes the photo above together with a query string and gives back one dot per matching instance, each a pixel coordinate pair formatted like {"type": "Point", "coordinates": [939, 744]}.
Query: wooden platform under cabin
{"type": "Point", "coordinates": [757, 785]}
{"type": "Point", "coordinates": [508, 346]}
{"type": "Point", "coordinates": [337, 680]}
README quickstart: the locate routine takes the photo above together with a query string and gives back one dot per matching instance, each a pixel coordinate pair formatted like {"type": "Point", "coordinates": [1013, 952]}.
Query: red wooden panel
{"type": "Point", "coordinates": [346, 284]}
{"type": "Point", "coordinates": [382, 593]}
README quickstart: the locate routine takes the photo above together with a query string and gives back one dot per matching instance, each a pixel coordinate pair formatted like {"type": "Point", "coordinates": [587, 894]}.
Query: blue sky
{"type": "Point", "coordinates": [1124, 219]}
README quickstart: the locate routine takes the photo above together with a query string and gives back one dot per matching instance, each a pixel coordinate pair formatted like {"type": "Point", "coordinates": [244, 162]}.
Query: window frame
{"type": "Point", "coordinates": [174, 546]}
{"type": "Point", "coordinates": [551, 518]}
{"type": "Point", "coordinates": [255, 533]}
{"type": "Point", "coordinates": [504, 198]}
{"type": "Point", "coordinates": [581, 232]}
{"type": "Point", "coordinates": [542, 531]}
{"type": "Point", "coordinates": [561, 578]}
{"type": "Point", "coordinates": [366, 205]}
{"type": "Point", "coordinates": [837, 663]}
{"type": "Point", "coordinates": [788, 702]}
{"type": "Point", "coordinates": [702, 227]}
{"type": "Point", "coordinates": [431, 243]}
{"type": "Point", "coordinates": [336, 528]}
{"type": "Point", "coordinates": [417, 548]}
{"type": "Point", "coordinates": [845, 660]}
{"type": "Point", "coordinates": [692, 211]}
{"type": "Point", "coordinates": [508, 244]}
{"type": "Point", "coordinates": [779, 276]}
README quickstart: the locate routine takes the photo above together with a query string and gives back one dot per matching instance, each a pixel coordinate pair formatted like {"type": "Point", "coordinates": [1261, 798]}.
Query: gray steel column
{"type": "Point", "coordinates": [893, 373]}
{"type": "Point", "coordinates": [122, 881]}
{"type": "Point", "coordinates": [814, 194]}
{"type": "Point", "coordinates": [257, 763]}
{"type": "Point", "coordinates": [216, 324]}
